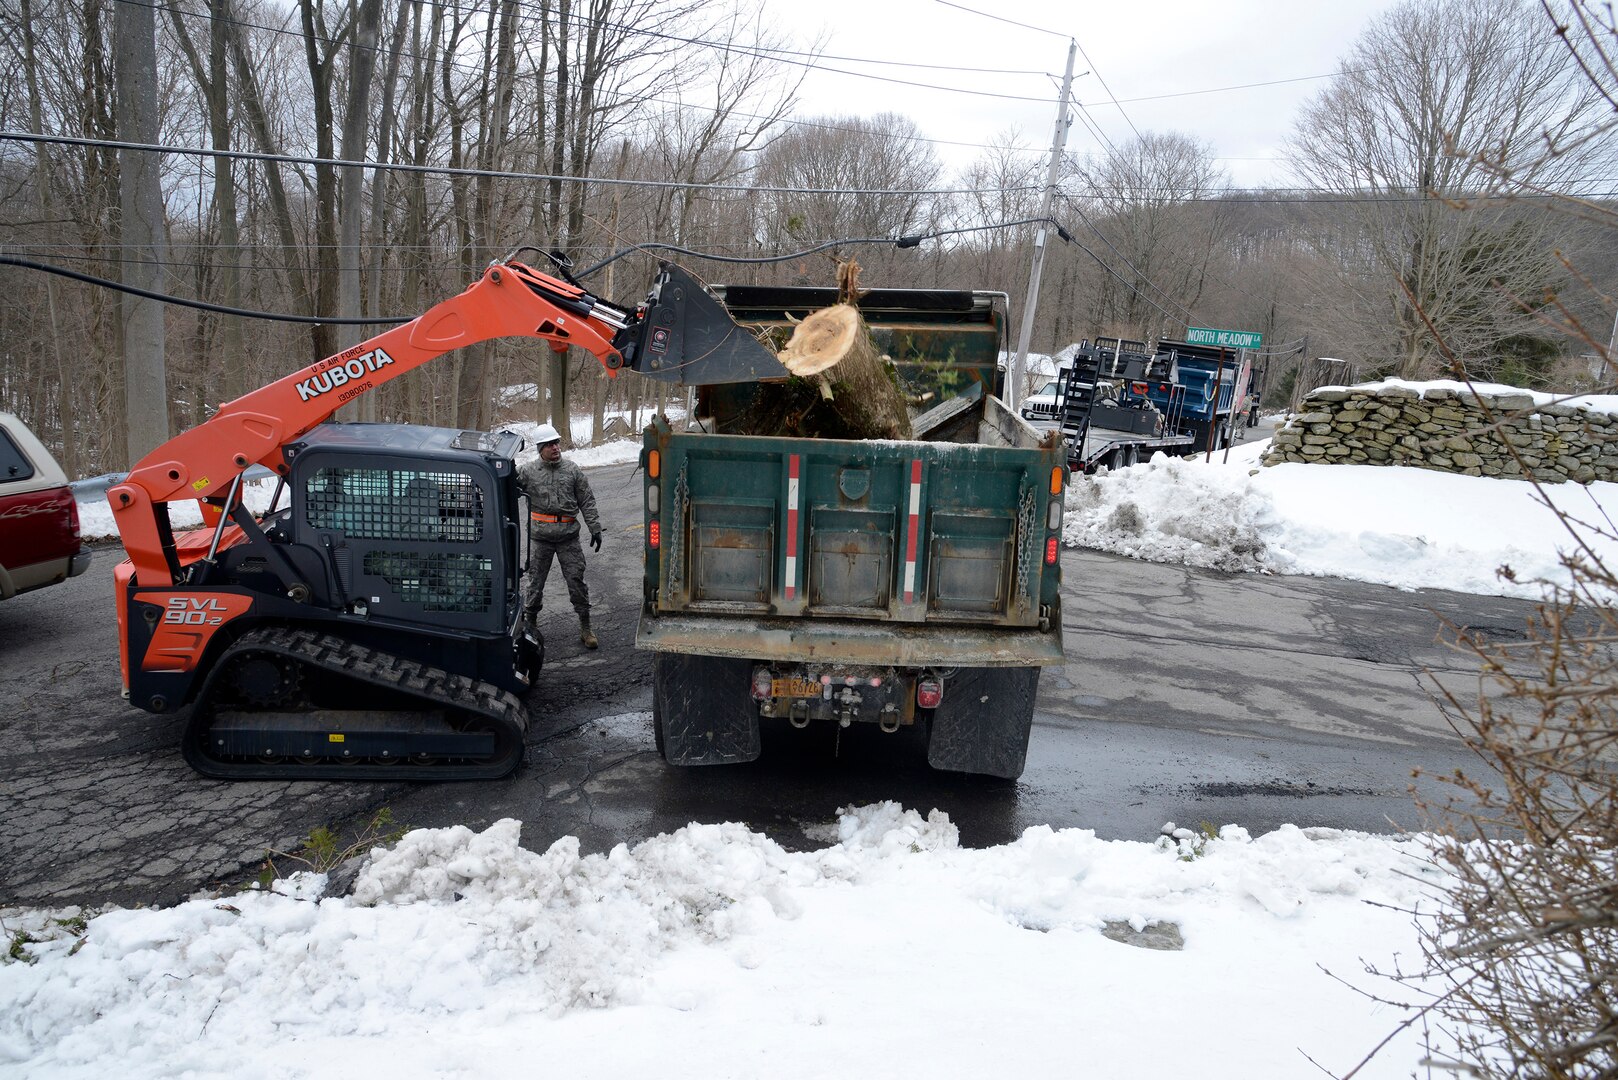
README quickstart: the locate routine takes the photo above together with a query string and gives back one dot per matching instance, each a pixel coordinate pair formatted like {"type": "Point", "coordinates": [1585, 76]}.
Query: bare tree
{"type": "Point", "coordinates": [716, 118]}
{"type": "Point", "coordinates": [1436, 104]}
{"type": "Point", "coordinates": [1157, 230]}
{"type": "Point", "coordinates": [142, 245]}
{"type": "Point", "coordinates": [862, 177]}
{"type": "Point", "coordinates": [255, 106]}
{"type": "Point", "coordinates": [213, 84]}
{"type": "Point", "coordinates": [351, 184]}
{"type": "Point", "coordinates": [325, 39]}
{"type": "Point", "coordinates": [43, 197]}
{"type": "Point", "coordinates": [1006, 180]}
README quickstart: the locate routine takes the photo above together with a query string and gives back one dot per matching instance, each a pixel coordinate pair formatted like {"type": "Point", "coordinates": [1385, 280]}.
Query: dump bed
{"type": "Point", "coordinates": [872, 552]}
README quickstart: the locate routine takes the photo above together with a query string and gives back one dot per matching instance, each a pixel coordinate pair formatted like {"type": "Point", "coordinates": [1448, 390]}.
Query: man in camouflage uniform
{"type": "Point", "coordinates": [558, 496]}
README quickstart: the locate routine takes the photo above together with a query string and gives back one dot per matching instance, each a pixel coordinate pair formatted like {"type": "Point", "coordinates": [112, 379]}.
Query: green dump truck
{"type": "Point", "coordinates": [823, 581]}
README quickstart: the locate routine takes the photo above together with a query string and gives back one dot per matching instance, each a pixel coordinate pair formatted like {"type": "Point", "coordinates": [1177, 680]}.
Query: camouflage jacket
{"type": "Point", "coordinates": [559, 490]}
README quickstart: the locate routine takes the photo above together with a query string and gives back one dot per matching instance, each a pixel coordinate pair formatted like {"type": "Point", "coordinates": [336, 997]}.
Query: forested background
{"type": "Point", "coordinates": [1454, 200]}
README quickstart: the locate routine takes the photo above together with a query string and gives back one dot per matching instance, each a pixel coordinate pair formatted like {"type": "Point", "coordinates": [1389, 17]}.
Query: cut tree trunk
{"type": "Point", "coordinates": [842, 387]}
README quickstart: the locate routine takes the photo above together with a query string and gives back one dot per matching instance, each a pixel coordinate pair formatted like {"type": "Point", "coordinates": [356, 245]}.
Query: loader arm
{"type": "Point", "coordinates": [509, 300]}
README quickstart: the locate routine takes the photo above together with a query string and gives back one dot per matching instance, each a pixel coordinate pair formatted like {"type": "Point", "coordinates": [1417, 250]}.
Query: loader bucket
{"type": "Point", "coordinates": [686, 336]}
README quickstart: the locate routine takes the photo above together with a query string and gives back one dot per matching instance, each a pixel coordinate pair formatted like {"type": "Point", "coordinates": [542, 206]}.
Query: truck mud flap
{"type": "Point", "coordinates": [703, 710]}
{"type": "Point", "coordinates": [982, 724]}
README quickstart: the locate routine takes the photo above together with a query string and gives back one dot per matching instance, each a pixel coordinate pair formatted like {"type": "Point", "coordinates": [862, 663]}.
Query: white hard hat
{"type": "Point", "coordinates": [546, 434]}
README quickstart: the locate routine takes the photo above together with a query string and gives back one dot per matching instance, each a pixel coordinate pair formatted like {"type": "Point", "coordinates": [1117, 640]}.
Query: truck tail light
{"type": "Point", "coordinates": [653, 495]}
{"type": "Point", "coordinates": [929, 692]}
{"type": "Point", "coordinates": [1050, 551]}
{"type": "Point", "coordinates": [1056, 480]}
{"type": "Point", "coordinates": [1053, 516]}
{"type": "Point", "coordinates": [761, 683]}
{"type": "Point", "coordinates": [654, 463]}
{"type": "Point", "coordinates": [654, 533]}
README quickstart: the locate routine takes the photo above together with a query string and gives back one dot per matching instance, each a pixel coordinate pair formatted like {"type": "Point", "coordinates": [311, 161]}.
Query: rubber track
{"type": "Point", "coordinates": [434, 686]}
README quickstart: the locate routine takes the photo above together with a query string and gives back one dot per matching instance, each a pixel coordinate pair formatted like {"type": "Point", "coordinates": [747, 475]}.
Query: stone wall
{"type": "Point", "coordinates": [1447, 429]}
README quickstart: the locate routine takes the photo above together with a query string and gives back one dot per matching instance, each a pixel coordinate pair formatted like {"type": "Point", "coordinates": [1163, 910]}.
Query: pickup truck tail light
{"type": "Point", "coordinates": [929, 692]}
{"type": "Point", "coordinates": [761, 683]}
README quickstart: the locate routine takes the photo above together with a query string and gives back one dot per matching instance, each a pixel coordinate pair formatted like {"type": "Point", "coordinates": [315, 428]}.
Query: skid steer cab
{"type": "Point", "coordinates": [367, 624]}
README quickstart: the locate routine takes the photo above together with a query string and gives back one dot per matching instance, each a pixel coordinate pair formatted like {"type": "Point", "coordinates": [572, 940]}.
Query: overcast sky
{"type": "Point", "coordinates": [1165, 60]}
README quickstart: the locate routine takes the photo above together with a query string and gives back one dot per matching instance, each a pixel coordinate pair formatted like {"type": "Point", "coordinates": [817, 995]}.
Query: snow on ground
{"type": "Point", "coordinates": [1405, 527]}
{"type": "Point", "coordinates": [712, 951]}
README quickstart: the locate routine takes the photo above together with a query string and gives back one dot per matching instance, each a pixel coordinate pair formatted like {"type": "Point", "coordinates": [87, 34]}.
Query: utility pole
{"type": "Point", "coordinates": [1064, 120]}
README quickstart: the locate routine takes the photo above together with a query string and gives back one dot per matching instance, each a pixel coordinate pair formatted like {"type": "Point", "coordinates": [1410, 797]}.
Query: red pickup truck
{"type": "Point", "coordinates": [39, 521]}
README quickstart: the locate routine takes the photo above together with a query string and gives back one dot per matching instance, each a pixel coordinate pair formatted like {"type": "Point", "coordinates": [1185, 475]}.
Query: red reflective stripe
{"type": "Point", "coordinates": [915, 529]}
{"type": "Point", "coordinates": [792, 525]}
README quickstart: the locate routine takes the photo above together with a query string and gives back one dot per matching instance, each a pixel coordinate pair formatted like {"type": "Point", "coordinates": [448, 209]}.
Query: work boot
{"type": "Point", "coordinates": [586, 636]}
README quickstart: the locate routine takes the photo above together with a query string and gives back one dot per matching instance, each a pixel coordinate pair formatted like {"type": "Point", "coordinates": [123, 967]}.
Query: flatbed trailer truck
{"type": "Point", "coordinates": [1120, 402]}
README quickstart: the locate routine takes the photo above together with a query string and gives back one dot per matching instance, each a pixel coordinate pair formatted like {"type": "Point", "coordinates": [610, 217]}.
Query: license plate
{"type": "Point", "coordinates": [794, 688]}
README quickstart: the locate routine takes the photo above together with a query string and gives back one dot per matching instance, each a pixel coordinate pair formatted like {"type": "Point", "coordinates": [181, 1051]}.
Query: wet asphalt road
{"type": "Point", "coordinates": [1188, 695]}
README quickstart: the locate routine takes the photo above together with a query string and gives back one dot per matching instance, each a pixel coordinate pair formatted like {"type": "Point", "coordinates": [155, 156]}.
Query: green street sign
{"type": "Point", "coordinates": [1227, 339]}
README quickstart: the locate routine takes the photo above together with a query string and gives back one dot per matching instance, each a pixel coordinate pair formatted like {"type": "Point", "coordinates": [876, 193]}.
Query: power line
{"type": "Point", "coordinates": [780, 57]}
{"type": "Point", "coordinates": [1277, 196]}
{"type": "Point", "coordinates": [1155, 287]}
{"type": "Point", "coordinates": [907, 241]}
{"type": "Point", "coordinates": [446, 170]}
{"type": "Point", "coordinates": [761, 52]}
{"type": "Point", "coordinates": [1329, 196]}
{"type": "Point", "coordinates": [1090, 125]}
{"type": "Point", "coordinates": [1222, 89]}
{"type": "Point", "coordinates": [1115, 275]}
{"type": "Point", "coordinates": [1108, 89]}
{"type": "Point", "coordinates": [1001, 18]}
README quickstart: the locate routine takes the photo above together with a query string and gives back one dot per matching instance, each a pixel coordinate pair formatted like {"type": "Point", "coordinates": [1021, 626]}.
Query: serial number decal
{"type": "Point", "coordinates": [341, 373]}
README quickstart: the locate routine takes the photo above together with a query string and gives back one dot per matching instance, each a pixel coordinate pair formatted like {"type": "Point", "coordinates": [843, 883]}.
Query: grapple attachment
{"type": "Point", "coordinates": [684, 335]}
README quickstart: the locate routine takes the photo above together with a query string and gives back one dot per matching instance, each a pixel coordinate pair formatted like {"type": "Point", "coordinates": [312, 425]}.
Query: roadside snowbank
{"type": "Point", "coordinates": [1409, 528]}
{"type": "Point", "coordinates": [893, 952]}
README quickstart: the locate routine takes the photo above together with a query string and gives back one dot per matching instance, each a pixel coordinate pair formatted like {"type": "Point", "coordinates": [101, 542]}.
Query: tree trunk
{"type": "Point", "coordinates": [841, 388]}
{"type": "Point", "coordinates": [66, 394]}
{"type": "Point", "coordinates": [372, 405]}
{"type": "Point", "coordinates": [323, 336]}
{"type": "Point", "coordinates": [252, 102]}
{"type": "Point", "coordinates": [351, 185]}
{"type": "Point", "coordinates": [213, 81]}
{"type": "Point", "coordinates": [142, 242]}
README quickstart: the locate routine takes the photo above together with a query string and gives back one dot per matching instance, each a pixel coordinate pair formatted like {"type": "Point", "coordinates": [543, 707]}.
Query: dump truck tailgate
{"type": "Point", "coordinates": [862, 532]}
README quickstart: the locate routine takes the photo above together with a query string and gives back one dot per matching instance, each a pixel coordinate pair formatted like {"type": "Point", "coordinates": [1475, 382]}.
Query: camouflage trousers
{"type": "Point", "coordinates": [571, 555]}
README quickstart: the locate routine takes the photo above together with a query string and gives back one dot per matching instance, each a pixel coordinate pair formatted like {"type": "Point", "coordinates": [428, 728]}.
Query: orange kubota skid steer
{"type": "Point", "coordinates": [367, 624]}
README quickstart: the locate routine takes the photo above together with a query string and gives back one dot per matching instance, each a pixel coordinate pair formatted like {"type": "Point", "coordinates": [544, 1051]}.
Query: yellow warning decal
{"type": "Point", "coordinates": [335, 737]}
